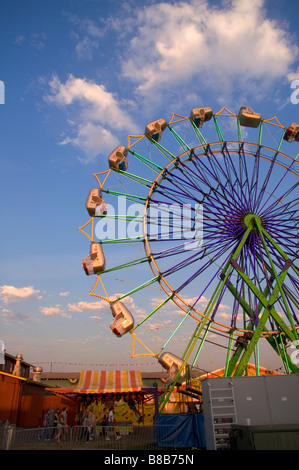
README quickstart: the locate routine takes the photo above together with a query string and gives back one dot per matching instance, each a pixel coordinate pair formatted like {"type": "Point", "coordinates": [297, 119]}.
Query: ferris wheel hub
{"type": "Point", "coordinates": [251, 219]}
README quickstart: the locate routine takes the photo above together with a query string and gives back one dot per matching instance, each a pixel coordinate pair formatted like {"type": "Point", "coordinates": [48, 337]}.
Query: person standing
{"type": "Point", "coordinates": [91, 423]}
{"type": "Point", "coordinates": [60, 426]}
{"type": "Point", "coordinates": [56, 417]}
{"type": "Point", "coordinates": [104, 423]}
{"type": "Point", "coordinates": [46, 425]}
{"type": "Point", "coordinates": [111, 425]}
{"type": "Point", "coordinates": [65, 428]}
{"type": "Point", "coordinates": [85, 427]}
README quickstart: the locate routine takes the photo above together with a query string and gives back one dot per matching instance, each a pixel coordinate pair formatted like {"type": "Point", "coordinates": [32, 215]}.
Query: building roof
{"type": "Point", "coordinates": [76, 375]}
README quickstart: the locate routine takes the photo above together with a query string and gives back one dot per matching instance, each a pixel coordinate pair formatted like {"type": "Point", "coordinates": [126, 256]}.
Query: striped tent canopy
{"type": "Point", "coordinates": [109, 381]}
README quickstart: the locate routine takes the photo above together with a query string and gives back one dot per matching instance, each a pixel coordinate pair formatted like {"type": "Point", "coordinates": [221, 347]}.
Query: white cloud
{"type": "Point", "coordinates": [90, 138]}
{"type": "Point", "coordinates": [87, 44]}
{"type": "Point", "coordinates": [11, 294]}
{"type": "Point", "coordinates": [136, 311]}
{"type": "Point", "coordinates": [64, 294]}
{"type": "Point", "coordinates": [54, 311]}
{"type": "Point", "coordinates": [84, 48]}
{"type": "Point", "coordinates": [187, 41]}
{"type": "Point", "coordinates": [19, 40]}
{"type": "Point", "coordinates": [98, 104]}
{"type": "Point", "coordinates": [19, 317]}
{"type": "Point", "coordinates": [100, 114]}
{"type": "Point", "coordinates": [103, 306]}
{"type": "Point", "coordinates": [293, 75]}
{"type": "Point", "coordinates": [88, 306]}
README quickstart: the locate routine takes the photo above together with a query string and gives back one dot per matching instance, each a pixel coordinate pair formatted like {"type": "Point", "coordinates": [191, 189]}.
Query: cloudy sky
{"type": "Point", "coordinates": [79, 76]}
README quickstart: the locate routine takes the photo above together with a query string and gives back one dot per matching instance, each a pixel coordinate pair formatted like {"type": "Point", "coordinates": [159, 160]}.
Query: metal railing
{"type": "Point", "coordinates": [127, 437]}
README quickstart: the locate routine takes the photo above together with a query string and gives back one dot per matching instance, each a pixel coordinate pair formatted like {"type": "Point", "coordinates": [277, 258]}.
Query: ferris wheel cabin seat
{"type": "Point", "coordinates": [172, 364]}
{"type": "Point", "coordinates": [118, 158]}
{"type": "Point", "coordinates": [95, 204]}
{"type": "Point", "coordinates": [123, 320]}
{"type": "Point", "coordinates": [155, 128]}
{"type": "Point", "coordinates": [201, 115]}
{"type": "Point", "coordinates": [292, 133]}
{"type": "Point", "coordinates": [95, 262]}
{"type": "Point", "coordinates": [248, 118]}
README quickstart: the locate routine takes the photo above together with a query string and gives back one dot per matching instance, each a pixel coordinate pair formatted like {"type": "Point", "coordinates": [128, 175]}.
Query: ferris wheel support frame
{"type": "Point", "coordinates": [235, 366]}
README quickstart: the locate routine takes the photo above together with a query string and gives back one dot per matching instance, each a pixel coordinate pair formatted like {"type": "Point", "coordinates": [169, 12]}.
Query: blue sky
{"type": "Point", "coordinates": [79, 76]}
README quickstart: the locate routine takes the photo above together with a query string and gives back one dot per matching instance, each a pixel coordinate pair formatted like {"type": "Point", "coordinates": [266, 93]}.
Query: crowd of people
{"type": "Point", "coordinates": [86, 422]}
{"type": "Point", "coordinates": [56, 427]}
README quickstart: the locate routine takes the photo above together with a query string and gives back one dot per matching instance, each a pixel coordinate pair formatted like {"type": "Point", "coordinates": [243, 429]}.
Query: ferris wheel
{"type": "Point", "coordinates": [203, 209]}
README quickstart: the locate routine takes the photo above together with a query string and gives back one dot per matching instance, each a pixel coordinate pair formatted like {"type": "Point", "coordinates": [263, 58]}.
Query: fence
{"type": "Point", "coordinates": [126, 437]}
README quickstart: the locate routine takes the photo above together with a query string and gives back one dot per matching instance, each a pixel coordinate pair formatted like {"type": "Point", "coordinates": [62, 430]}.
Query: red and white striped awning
{"type": "Point", "coordinates": [109, 381]}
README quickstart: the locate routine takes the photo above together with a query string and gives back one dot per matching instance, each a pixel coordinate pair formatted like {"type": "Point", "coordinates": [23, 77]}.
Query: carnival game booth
{"type": "Point", "coordinates": [98, 391]}
{"type": "Point", "coordinates": [133, 402]}
{"type": "Point", "coordinates": [122, 390]}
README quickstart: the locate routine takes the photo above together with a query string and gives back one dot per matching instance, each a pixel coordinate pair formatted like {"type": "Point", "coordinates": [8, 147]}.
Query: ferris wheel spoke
{"type": "Point", "coordinates": [250, 188]}
{"type": "Point", "coordinates": [233, 177]}
{"type": "Point", "coordinates": [138, 288]}
{"type": "Point", "coordinates": [185, 182]}
{"type": "Point", "coordinates": [285, 214]}
{"type": "Point", "coordinates": [131, 197]}
{"type": "Point", "coordinates": [273, 209]}
{"type": "Point", "coordinates": [255, 179]}
{"type": "Point", "coordinates": [222, 193]}
{"type": "Point", "coordinates": [231, 193]}
{"type": "Point", "coordinates": [278, 186]}
{"type": "Point", "coordinates": [175, 193]}
{"type": "Point", "coordinates": [286, 239]}
{"type": "Point", "coordinates": [211, 261]}
{"type": "Point", "coordinates": [164, 151]}
{"type": "Point", "coordinates": [194, 179]}
{"type": "Point", "coordinates": [292, 296]}
{"type": "Point", "coordinates": [265, 183]}
{"type": "Point", "coordinates": [214, 196]}
{"type": "Point", "coordinates": [291, 304]}
{"type": "Point", "coordinates": [152, 165]}
{"type": "Point", "coordinates": [183, 145]}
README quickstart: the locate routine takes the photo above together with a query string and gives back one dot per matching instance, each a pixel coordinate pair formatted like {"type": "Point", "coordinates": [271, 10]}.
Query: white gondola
{"type": "Point", "coordinates": [118, 158]}
{"type": "Point", "coordinates": [154, 129]}
{"type": "Point", "coordinates": [123, 320]}
{"type": "Point", "coordinates": [172, 364]}
{"type": "Point", "coordinates": [292, 133]}
{"type": "Point", "coordinates": [201, 115]}
{"type": "Point", "coordinates": [95, 262]}
{"type": "Point", "coordinates": [248, 118]}
{"type": "Point", "coordinates": [95, 204]}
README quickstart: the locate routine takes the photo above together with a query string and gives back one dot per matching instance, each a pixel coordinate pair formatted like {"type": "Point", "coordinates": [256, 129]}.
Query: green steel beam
{"type": "Point", "coordinates": [136, 289]}
{"type": "Point", "coordinates": [153, 311]}
{"type": "Point", "coordinates": [147, 162]}
{"type": "Point", "coordinates": [205, 323]}
{"type": "Point", "coordinates": [267, 304]}
{"type": "Point", "coordinates": [179, 139]}
{"type": "Point", "coordinates": [199, 135]}
{"type": "Point", "coordinates": [270, 339]}
{"type": "Point", "coordinates": [162, 149]}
